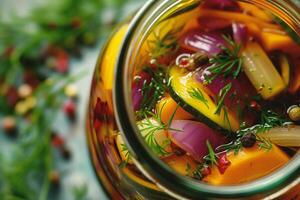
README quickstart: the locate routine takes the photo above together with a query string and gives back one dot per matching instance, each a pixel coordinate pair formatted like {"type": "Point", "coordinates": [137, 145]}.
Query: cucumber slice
{"type": "Point", "coordinates": [182, 88]}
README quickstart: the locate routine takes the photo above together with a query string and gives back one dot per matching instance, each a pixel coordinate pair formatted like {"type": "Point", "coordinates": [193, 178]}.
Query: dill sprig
{"type": "Point", "coordinates": [153, 91]}
{"type": "Point", "coordinates": [153, 124]}
{"type": "Point", "coordinates": [197, 94]}
{"type": "Point", "coordinates": [226, 64]}
{"type": "Point", "coordinates": [221, 98]}
{"type": "Point", "coordinates": [211, 157]}
{"type": "Point", "coordinates": [163, 44]}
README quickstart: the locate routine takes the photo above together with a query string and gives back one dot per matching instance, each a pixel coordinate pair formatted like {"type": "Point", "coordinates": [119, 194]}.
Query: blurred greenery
{"type": "Point", "coordinates": [57, 30]}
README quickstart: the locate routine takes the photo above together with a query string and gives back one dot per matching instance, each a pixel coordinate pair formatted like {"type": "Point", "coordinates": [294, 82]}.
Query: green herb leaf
{"type": "Point", "coordinates": [197, 94]}
{"type": "Point", "coordinates": [221, 98]}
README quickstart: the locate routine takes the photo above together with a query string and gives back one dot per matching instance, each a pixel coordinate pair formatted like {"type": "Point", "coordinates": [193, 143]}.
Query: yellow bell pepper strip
{"type": "Point", "coordinates": [271, 41]}
{"type": "Point", "coordinates": [183, 84]}
{"type": "Point", "coordinates": [110, 56]}
{"type": "Point", "coordinates": [261, 71]}
{"type": "Point", "coordinates": [167, 106]}
{"type": "Point", "coordinates": [249, 164]}
{"type": "Point", "coordinates": [255, 11]}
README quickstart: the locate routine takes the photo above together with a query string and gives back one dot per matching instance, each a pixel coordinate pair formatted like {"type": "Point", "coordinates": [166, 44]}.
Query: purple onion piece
{"type": "Point", "coordinates": [231, 5]}
{"type": "Point", "coordinates": [239, 33]}
{"type": "Point", "coordinates": [191, 136]}
{"type": "Point", "coordinates": [208, 42]}
{"type": "Point", "coordinates": [213, 24]}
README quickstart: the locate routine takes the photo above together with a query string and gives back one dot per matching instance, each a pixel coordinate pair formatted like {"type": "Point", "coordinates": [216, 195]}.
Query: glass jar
{"type": "Point", "coordinates": [110, 113]}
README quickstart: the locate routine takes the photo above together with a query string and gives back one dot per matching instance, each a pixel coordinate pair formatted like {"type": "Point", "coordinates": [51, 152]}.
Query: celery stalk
{"type": "Point", "coordinates": [283, 136]}
{"type": "Point", "coordinates": [261, 71]}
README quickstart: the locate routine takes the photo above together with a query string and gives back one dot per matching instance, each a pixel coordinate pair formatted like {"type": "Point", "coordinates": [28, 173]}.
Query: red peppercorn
{"type": "Point", "coordinates": [254, 105]}
{"type": "Point", "coordinates": [184, 62]}
{"type": "Point", "coordinates": [57, 141]}
{"type": "Point", "coordinates": [69, 109]}
{"type": "Point", "coordinates": [12, 96]}
{"type": "Point", "coordinates": [206, 171]}
{"type": "Point", "coordinates": [62, 63]}
{"type": "Point", "coordinates": [223, 162]}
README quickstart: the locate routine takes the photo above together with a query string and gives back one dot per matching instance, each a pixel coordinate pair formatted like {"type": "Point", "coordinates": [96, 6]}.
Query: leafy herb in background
{"type": "Point", "coordinates": [153, 91]}
{"type": "Point", "coordinates": [32, 49]}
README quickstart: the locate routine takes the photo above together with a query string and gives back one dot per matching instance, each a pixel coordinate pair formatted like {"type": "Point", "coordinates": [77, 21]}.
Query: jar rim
{"type": "Point", "coordinates": [152, 166]}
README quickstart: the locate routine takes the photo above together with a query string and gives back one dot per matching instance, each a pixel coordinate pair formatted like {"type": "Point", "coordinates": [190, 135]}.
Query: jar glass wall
{"type": "Point", "coordinates": [111, 122]}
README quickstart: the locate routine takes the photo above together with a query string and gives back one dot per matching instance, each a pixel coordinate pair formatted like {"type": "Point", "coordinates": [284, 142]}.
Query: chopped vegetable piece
{"type": "Point", "coordinates": [272, 41]}
{"type": "Point", "coordinates": [168, 106]}
{"type": "Point", "coordinates": [237, 17]}
{"type": "Point", "coordinates": [213, 24]}
{"type": "Point", "coordinates": [284, 136]}
{"type": "Point", "coordinates": [261, 71]}
{"type": "Point", "coordinates": [184, 164]}
{"type": "Point", "coordinates": [295, 80]}
{"type": "Point", "coordinates": [231, 5]}
{"type": "Point", "coordinates": [255, 11]}
{"type": "Point", "coordinates": [192, 136]}
{"type": "Point", "coordinates": [285, 68]}
{"type": "Point", "coordinates": [247, 165]}
{"type": "Point", "coordinates": [155, 135]}
{"type": "Point", "coordinates": [239, 33]}
{"type": "Point", "coordinates": [181, 85]}
{"type": "Point", "coordinates": [210, 43]}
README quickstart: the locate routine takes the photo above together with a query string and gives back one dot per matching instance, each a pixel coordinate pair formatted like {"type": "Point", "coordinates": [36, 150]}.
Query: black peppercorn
{"type": "Point", "coordinates": [248, 140]}
{"type": "Point", "coordinates": [65, 153]}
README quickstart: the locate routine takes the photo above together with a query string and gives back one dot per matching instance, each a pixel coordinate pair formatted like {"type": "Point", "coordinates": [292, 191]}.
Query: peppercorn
{"type": "Point", "coordinates": [199, 59]}
{"type": "Point", "coordinates": [248, 140]}
{"type": "Point", "coordinates": [9, 126]}
{"type": "Point", "coordinates": [294, 113]}
{"type": "Point", "coordinates": [70, 109]}
{"type": "Point", "coordinates": [65, 152]}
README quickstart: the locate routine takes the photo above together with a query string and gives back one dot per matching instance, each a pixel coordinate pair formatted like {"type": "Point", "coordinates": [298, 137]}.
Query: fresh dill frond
{"type": "Point", "coordinates": [264, 143]}
{"type": "Point", "coordinates": [153, 91]}
{"type": "Point", "coordinates": [163, 44]}
{"type": "Point", "coordinates": [228, 63]}
{"type": "Point", "coordinates": [221, 98]}
{"type": "Point", "coordinates": [151, 125]}
{"type": "Point", "coordinates": [197, 94]}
